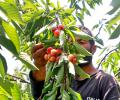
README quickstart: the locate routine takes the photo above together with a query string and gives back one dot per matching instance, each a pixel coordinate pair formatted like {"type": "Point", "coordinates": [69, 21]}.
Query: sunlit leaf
{"type": "Point", "coordinates": [116, 5]}
{"type": "Point", "coordinates": [27, 62]}
{"type": "Point", "coordinates": [2, 71]}
{"type": "Point", "coordinates": [116, 33]}
{"type": "Point", "coordinates": [3, 66]}
{"type": "Point", "coordinates": [82, 35]}
{"type": "Point", "coordinates": [81, 50]}
{"type": "Point", "coordinates": [11, 11]}
{"type": "Point", "coordinates": [16, 94]}
{"type": "Point", "coordinates": [12, 34]}
{"type": "Point", "coordinates": [8, 44]}
{"type": "Point", "coordinates": [81, 73]}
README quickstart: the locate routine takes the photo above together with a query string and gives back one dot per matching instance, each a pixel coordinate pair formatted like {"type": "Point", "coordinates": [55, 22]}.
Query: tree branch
{"type": "Point", "coordinates": [105, 57]}
{"type": "Point", "coordinates": [99, 30]}
{"type": "Point", "coordinates": [15, 78]}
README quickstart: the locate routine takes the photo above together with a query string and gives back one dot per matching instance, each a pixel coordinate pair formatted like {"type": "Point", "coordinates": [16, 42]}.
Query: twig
{"type": "Point", "coordinates": [105, 57]}
{"type": "Point", "coordinates": [117, 73]}
{"type": "Point", "coordinates": [15, 78]}
{"type": "Point", "coordinates": [99, 30]}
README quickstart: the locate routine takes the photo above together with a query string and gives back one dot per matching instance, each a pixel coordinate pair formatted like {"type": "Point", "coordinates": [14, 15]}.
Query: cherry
{"type": "Point", "coordinates": [54, 28]}
{"type": "Point", "coordinates": [46, 56]}
{"type": "Point", "coordinates": [72, 58]}
{"type": "Point", "coordinates": [49, 50]}
{"type": "Point", "coordinates": [53, 52]}
{"type": "Point", "coordinates": [60, 27]}
{"type": "Point", "coordinates": [59, 51]}
{"type": "Point", "coordinates": [56, 33]}
{"type": "Point", "coordinates": [52, 59]}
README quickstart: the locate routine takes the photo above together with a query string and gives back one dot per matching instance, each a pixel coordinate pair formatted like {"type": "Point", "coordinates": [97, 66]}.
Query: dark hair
{"type": "Point", "coordinates": [87, 31]}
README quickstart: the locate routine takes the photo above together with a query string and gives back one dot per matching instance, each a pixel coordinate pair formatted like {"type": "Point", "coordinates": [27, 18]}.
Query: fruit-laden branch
{"type": "Point", "coordinates": [105, 57]}
{"type": "Point", "coordinates": [15, 78]}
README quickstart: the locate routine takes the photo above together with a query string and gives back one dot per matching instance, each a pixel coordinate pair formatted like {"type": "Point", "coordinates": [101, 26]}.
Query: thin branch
{"type": "Point", "coordinates": [105, 57]}
{"type": "Point", "coordinates": [99, 30]}
{"type": "Point", "coordinates": [15, 78]}
{"type": "Point", "coordinates": [117, 73]}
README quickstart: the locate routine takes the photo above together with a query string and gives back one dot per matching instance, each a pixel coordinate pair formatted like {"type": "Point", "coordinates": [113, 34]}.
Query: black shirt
{"type": "Point", "coordinates": [100, 86]}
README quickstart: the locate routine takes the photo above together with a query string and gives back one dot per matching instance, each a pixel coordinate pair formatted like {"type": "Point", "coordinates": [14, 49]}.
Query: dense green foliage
{"type": "Point", "coordinates": [27, 22]}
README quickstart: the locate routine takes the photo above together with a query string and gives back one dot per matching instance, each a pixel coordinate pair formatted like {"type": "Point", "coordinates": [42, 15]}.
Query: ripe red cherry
{"type": "Point", "coordinates": [59, 51]}
{"type": "Point", "coordinates": [60, 27]}
{"type": "Point", "coordinates": [52, 59]}
{"type": "Point", "coordinates": [54, 28]}
{"type": "Point", "coordinates": [53, 52]}
{"type": "Point", "coordinates": [72, 58]}
{"type": "Point", "coordinates": [46, 56]}
{"type": "Point", "coordinates": [57, 33]}
{"type": "Point", "coordinates": [49, 50]}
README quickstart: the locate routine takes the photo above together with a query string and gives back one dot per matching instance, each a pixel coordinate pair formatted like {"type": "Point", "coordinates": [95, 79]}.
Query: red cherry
{"type": "Point", "coordinates": [60, 27]}
{"type": "Point", "coordinates": [54, 28]}
{"type": "Point", "coordinates": [57, 33]}
{"type": "Point", "coordinates": [52, 59]}
{"type": "Point", "coordinates": [49, 50]}
{"type": "Point", "coordinates": [53, 52]}
{"type": "Point", "coordinates": [59, 51]}
{"type": "Point", "coordinates": [46, 56]}
{"type": "Point", "coordinates": [72, 58]}
{"type": "Point", "coordinates": [74, 61]}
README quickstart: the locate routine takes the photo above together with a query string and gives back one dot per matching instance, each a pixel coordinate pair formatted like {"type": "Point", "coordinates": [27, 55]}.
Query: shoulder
{"type": "Point", "coordinates": [105, 79]}
{"type": "Point", "coordinates": [102, 76]}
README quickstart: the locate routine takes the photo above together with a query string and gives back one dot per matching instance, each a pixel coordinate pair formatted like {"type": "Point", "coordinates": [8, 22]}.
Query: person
{"type": "Point", "coordinates": [100, 85]}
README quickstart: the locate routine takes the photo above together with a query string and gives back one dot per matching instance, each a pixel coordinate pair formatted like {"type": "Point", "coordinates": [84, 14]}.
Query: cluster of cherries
{"type": "Point", "coordinates": [56, 30]}
{"type": "Point", "coordinates": [53, 55]}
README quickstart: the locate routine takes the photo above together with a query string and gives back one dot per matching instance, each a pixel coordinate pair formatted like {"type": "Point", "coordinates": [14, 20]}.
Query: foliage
{"type": "Point", "coordinates": [29, 22]}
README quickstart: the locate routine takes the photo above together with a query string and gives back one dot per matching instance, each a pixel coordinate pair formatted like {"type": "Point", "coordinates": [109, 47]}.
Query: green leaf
{"type": "Point", "coordinates": [49, 67]}
{"type": "Point", "coordinates": [100, 41]}
{"type": "Point", "coordinates": [116, 33]}
{"type": "Point", "coordinates": [8, 44]}
{"type": "Point", "coordinates": [3, 66]}
{"type": "Point", "coordinates": [11, 11]}
{"type": "Point", "coordinates": [47, 87]}
{"type": "Point", "coordinates": [114, 20]}
{"type": "Point", "coordinates": [5, 87]}
{"type": "Point", "coordinates": [81, 73]}
{"type": "Point", "coordinates": [116, 5]}
{"type": "Point", "coordinates": [71, 34]}
{"type": "Point", "coordinates": [27, 63]}
{"type": "Point", "coordinates": [18, 27]}
{"type": "Point", "coordinates": [29, 5]}
{"type": "Point", "coordinates": [12, 34]}
{"type": "Point", "coordinates": [2, 71]}
{"type": "Point", "coordinates": [60, 75]}
{"type": "Point", "coordinates": [81, 50]}
{"type": "Point", "coordinates": [69, 10]}
{"type": "Point", "coordinates": [65, 95]}
{"type": "Point", "coordinates": [51, 95]}
{"type": "Point", "coordinates": [16, 94]}
{"type": "Point", "coordinates": [4, 97]}
{"type": "Point", "coordinates": [82, 35]}
{"type": "Point", "coordinates": [76, 95]}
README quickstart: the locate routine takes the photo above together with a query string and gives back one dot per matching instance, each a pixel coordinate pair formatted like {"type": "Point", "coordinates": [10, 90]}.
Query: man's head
{"type": "Point", "coordinates": [88, 45]}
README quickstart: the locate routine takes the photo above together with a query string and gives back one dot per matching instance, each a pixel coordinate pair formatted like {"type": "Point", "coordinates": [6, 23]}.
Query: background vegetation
{"type": "Point", "coordinates": [25, 19]}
